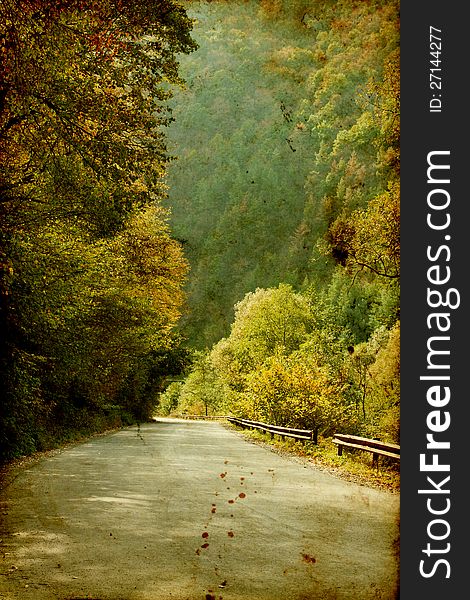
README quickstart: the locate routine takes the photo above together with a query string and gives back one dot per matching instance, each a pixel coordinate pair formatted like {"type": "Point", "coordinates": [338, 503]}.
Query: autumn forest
{"type": "Point", "coordinates": [199, 214]}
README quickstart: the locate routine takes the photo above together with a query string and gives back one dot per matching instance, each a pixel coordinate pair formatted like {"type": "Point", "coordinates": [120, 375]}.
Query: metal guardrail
{"type": "Point", "coordinates": [299, 434]}
{"type": "Point", "coordinates": [202, 417]}
{"type": "Point", "coordinates": [375, 447]}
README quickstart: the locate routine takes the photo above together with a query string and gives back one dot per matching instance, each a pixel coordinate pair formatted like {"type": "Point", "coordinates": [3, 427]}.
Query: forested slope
{"type": "Point", "coordinates": [287, 124]}
{"type": "Point", "coordinates": [286, 199]}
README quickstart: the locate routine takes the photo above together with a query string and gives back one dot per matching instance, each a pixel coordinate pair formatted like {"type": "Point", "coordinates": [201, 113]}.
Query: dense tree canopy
{"type": "Point", "coordinates": [287, 199]}
{"type": "Point", "coordinates": [90, 276]}
{"type": "Point", "coordinates": [288, 124]}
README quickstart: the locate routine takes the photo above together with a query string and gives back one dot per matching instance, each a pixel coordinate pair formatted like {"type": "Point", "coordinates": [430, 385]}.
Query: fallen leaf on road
{"type": "Point", "coordinates": [309, 559]}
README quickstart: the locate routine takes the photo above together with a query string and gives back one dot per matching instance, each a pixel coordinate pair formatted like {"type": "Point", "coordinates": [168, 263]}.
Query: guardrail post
{"type": "Point", "coordinates": [375, 460]}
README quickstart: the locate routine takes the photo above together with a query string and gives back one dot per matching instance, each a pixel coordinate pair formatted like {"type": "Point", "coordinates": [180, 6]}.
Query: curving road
{"type": "Point", "coordinates": [191, 511]}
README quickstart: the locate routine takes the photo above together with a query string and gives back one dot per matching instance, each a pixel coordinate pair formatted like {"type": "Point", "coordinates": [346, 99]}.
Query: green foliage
{"type": "Point", "coordinates": [287, 196]}
{"type": "Point", "coordinates": [288, 124]}
{"type": "Point", "coordinates": [374, 370]}
{"type": "Point", "coordinates": [267, 322]}
{"type": "Point", "coordinates": [284, 201]}
{"type": "Point", "coordinates": [384, 384]}
{"type": "Point", "coordinates": [361, 306]}
{"type": "Point", "coordinates": [290, 361]}
{"type": "Point", "coordinates": [169, 398]}
{"type": "Point", "coordinates": [271, 321]}
{"type": "Point", "coordinates": [202, 393]}
{"type": "Point", "coordinates": [284, 362]}
{"type": "Point", "coordinates": [90, 276]}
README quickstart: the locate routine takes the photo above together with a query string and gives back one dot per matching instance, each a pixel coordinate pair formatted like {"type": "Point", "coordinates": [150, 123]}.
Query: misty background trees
{"type": "Point", "coordinates": [286, 197]}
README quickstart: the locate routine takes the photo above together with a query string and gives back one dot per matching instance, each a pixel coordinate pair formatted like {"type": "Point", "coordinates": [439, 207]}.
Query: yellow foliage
{"type": "Point", "coordinates": [287, 391]}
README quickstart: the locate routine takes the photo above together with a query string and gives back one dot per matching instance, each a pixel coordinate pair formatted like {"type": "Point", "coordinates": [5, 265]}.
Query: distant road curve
{"type": "Point", "coordinates": [189, 510]}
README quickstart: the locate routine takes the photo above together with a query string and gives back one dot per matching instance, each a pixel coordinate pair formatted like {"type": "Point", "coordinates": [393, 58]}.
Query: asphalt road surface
{"type": "Point", "coordinates": [192, 511]}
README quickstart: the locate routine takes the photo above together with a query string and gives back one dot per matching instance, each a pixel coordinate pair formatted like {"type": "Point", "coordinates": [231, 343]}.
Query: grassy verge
{"type": "Point", "coordinates": [355, 466]}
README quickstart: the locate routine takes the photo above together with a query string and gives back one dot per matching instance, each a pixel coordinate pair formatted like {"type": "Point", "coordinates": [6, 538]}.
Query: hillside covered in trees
{"type": "Point", "coordinates": [285, 197]}
{"type": "Point", "coordinates": [204, 192]}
